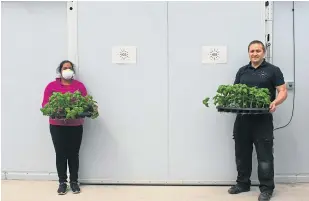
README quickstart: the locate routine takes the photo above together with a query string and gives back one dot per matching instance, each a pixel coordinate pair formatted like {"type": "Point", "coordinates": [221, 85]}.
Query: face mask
{"type": "Point", "coordinates": [67, 74]}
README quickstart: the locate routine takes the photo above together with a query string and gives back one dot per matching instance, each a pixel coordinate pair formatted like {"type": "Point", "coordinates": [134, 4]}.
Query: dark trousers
{"type": "Point", "coordinates": [257, 130]}
{"type": "Point", "coordinates": [67, 141]}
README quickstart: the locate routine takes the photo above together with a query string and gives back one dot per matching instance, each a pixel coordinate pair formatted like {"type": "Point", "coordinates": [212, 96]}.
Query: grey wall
{"type": "Point", "coordinates": [153, 126]}
{"type": "Point", "coordinates": [33, 43]}
{"type": "Point", "coordinates": [201, 144]}
{"type": "Point", "coordinates": [128, 142]}
{"type": "Point", "coordinates": [291, 144]}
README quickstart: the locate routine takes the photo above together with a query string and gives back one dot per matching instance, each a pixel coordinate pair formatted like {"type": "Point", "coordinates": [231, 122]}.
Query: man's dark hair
{"type": "Point", "coordinates": [257, 42]}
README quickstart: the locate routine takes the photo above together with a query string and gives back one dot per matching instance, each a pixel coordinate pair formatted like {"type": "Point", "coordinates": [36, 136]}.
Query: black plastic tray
{"type": "Point", "coordinates": [82, 115]}
{"type": "Point", "coordinates": [243, 110]}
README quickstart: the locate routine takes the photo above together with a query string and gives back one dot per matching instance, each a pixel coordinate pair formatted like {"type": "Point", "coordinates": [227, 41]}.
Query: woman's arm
{"type": "Point", "coordinates": [47, 93]}
{"type": "Point", "coordinates": [83, 89]}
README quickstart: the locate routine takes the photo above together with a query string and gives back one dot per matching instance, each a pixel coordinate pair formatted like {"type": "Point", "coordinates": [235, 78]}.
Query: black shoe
{"type": "Point", "coordinates": [238, 189]}
{"type": "Point", "coordinates": [63, 188]}
{"type": "Point", "coordinates": [75, 187]}
{"type": "Point", "coordinates": [265, 196]}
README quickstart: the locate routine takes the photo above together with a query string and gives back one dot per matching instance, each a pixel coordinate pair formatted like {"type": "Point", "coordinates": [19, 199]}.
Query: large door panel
{"type": "Point", "coordinates": [302, 72]}
{"type": "Point", "coordinates": [291, 147]}
{"type": "Point", "coordinates": [128, 142]}
{"type": "Point", "coordinates": [201, 144]}
{"type": "Point", "coordinates": [33, 43]}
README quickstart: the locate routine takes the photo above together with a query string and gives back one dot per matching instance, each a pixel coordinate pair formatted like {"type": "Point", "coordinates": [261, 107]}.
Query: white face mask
{"type": "Point", "coordinates": [67, 74]}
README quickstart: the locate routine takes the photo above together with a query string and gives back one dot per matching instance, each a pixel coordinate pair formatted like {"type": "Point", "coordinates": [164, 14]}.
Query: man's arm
{"type": "Point", "coordinates": [279, 83]}
{"type": "Point", "coordinates": [282, 94]}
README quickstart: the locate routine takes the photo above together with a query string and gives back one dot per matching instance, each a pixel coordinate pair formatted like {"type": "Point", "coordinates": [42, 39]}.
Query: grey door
{"type": "Point", "coordinates": [153, 126]}
{"type": "Point", "coordinates": [34, 42]}
{"type": "Point", "coordinates": [129, 141]}
{"type": "Point", "coordinates": [291, 150]}
{"type": "Point", "coordinates": [200, 139]}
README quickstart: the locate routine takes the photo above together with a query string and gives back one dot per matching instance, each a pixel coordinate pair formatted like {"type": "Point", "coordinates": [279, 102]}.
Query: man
{"type": "Point", "coordinates": [257, 129]}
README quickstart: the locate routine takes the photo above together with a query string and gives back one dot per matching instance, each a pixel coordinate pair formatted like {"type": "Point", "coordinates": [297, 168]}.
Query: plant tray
{"type": "Point", "coordinates": [243, 110]}
{"type": "Point", "coordinates": [62, 116]}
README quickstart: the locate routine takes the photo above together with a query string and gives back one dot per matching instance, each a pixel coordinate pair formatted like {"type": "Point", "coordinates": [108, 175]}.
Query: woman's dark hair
{"type": "Point", "coordinates": [62, 63]}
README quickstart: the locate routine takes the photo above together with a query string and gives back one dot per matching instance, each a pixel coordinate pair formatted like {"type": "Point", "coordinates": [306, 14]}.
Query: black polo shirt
{"type": "Point", "coordinates": [264, 76]}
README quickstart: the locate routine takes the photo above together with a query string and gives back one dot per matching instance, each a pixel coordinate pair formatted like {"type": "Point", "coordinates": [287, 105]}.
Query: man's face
{"type": "Point", "coordinates": [256, 53]}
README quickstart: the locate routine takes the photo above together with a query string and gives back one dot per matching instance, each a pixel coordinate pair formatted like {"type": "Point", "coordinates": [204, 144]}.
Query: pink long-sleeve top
{"type": "Point", "coordinates": [57, 86]}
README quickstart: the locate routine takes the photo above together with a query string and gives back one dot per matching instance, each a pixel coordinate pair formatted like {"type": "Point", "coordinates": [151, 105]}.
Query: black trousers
{"type": "Point", "coordinates": [257, 130]}
{"type": "Point", "coordinates": [67, 141]}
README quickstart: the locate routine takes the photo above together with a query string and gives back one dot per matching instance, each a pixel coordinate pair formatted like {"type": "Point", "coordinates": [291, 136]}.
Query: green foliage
{"type": "Point", "coordinates": [70, 106]}
{"type": "Point", "coordinates": [206, 101]}
{"type": "Point", "coordinates": [240, 96]}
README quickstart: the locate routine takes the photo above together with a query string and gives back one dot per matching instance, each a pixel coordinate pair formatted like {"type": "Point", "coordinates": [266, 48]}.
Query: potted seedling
{"type": "Point", "coordinates": [240, 98]}
{"type": "Point", "coordinates": [70, 106]}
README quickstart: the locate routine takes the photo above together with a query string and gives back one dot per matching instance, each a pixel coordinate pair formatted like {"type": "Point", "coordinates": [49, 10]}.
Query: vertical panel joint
{"type": "Point", "coordinates": [269, 30]}
{"type": "Point", "coordinates": [72, 32]}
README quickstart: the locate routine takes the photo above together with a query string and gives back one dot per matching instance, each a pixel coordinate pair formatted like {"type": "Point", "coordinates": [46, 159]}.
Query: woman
{"type": "Point", "coordinates": [66, 135]}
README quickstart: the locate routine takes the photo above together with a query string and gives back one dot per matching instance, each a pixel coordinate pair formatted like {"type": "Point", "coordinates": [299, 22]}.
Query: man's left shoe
{"type": "Point", "coordinates": [265, 196]}
{"type": "Point", "coordinates": [75, 187]}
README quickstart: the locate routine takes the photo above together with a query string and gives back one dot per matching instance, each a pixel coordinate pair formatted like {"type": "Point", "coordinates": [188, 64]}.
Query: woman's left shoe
{"type": "Point", "coordinates": [75, 187]}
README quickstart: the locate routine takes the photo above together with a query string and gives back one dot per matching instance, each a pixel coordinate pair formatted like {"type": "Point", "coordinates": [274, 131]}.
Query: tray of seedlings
{"type": "Point", "coordinates": [70, 106]}
{"type": "Point", "coordinates": [241, 99]}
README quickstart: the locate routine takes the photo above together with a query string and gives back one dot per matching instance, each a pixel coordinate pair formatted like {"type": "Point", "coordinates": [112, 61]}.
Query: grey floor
{"type": "Point", "coordinates": [46, 191]}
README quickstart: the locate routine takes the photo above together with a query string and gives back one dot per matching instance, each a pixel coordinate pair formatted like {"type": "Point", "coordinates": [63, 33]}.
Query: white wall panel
{"type": "Point", "coordinates": [33, 43]}
{"type": "Point", "coordinates": [201, 144]}
{"type": "Point", "coordinates": [291, 149]}
{"type": "Point", "coordinates": [128, 142]}
{"type": "Point", "coordinates": [153, 127]}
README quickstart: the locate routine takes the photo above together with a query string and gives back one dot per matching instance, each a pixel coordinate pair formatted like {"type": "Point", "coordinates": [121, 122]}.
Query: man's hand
{"type": "Point", "coordinates": [272, 107]}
